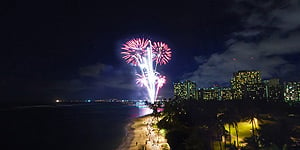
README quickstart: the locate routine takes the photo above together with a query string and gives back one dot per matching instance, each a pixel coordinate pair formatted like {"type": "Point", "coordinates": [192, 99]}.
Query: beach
{"type": "Point", "coordinates": [141, 134]}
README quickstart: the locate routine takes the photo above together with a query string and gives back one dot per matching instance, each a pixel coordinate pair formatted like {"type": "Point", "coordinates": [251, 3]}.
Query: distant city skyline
{"type": "Point", "coordinates": [244, 85]}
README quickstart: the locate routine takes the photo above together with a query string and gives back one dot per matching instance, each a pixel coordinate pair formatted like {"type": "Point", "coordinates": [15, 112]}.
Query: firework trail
{"type": "Point", "coordinates": [141, 53]}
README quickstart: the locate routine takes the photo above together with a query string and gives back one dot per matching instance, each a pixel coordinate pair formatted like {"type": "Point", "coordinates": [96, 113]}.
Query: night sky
{"type": "Point", "coordinates": [71, 49]}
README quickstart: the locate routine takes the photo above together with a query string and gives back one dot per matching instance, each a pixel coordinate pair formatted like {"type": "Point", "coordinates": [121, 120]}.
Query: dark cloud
{"type": "Point", "coordinates": [200, 59]}
{"type": "Point", "coordinates": [93, 70]}
{"type": "Point", "coordinates": [287, 18]}
{"type": "Point", "coordinates": [99, 81]}
{"type": "Point", "coordinates": [269, 53]}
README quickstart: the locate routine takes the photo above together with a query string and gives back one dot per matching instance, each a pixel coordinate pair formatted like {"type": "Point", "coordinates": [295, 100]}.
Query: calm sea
{"type": "Point", "coordinates": [66, 127]}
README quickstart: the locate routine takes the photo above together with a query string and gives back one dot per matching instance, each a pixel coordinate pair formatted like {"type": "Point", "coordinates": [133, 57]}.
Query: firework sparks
{"type": "Point", "coordinates": [134, 50]}
{"type": "Point", "coordinates": [162, 53]}
{"type": "Point", "coordinates": [141, 80]}
{"type": "Point", "coordinates": [161, 81]}
{"type": "Point", "coordinates": [141, 53]}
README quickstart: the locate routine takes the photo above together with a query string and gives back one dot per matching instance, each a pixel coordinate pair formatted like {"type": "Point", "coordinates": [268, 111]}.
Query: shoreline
{"type": "Point", "coordinates": [139, 134]}
{"type": "Point", "coordinates": [128, 136]}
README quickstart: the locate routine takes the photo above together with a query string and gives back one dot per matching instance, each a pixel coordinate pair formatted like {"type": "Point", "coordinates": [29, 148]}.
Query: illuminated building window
{"type": "Point", "coordinates": [186, 90]}
{"type": "Point", "coordinates": [246, 85]}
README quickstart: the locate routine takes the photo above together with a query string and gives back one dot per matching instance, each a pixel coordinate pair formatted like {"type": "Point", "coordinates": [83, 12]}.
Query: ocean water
{"type": "Point", "coordinates": [66, 127]}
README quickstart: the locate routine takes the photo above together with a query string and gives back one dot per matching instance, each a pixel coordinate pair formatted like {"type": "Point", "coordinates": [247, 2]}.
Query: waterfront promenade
{"type": "Point", "coordinates": [141, 135]}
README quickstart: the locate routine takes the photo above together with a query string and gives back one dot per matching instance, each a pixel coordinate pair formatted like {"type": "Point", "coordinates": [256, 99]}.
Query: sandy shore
{"type": "Point", "coordinates": [141, 135]}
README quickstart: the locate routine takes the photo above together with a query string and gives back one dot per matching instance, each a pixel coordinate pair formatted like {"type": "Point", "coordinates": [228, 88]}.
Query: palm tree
{"type": "Point", "coordinates": [237, 134]}
{"type": "Point", "coordinates": [230, 120]}
{"type": "Point", "coordinates": [225, 119]}
{"type": "Point", "coordinates": [253, 118]}
{"type": "Point", "coordinates": [170, 114]}
{"type": "Point", "coordinates": [234, 123]}
{"type": "Point", "coordinates": [229, 123]}
{"type": "Point", "coordinates": [220, 130]}
{"type": "Point", "coordinates": [231, 116]}
{"type": "Point", "coordinates": [252, 115]}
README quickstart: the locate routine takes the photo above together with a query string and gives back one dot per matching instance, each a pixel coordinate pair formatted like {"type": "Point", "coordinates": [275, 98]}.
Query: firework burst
{"type": "Point", "coordinates": [161, 80]}
{"type": "Point", "coordinates": [134, 50]}
{"type": "Point", "coordinates": [162, 53]}
{"type": "Point", "coordinates": [141, 53]}
{"type": "Point", "coordinates": [141, 80]}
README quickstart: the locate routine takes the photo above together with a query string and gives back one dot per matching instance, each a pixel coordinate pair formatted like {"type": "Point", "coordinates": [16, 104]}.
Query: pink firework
{"type": "Point", "coordinates": [161, 81]}
{"type": "Point", "coordinates": [162, 53]}
{"type": "Point", "coordinates": [134, 50]}
{"type": "Point", "coordinates": [145, 56]}
{"type": "Point", "coordinates": [141, 80]}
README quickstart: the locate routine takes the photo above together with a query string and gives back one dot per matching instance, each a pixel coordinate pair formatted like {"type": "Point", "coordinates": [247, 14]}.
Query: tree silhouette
{"type": "Point", "coordinates": [276, 134]}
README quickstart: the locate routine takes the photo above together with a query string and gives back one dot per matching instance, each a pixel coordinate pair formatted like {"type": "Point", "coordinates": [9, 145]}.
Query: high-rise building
{"type": "Point", "coordinates": [209, 94]}
{"type": "Point", "coordinates": [215, 93]}
{"type": "Point", "coordinates": [186, 90]}
{"type": "Point", "coordinates": [292, 91]}
{"type": "Point", "coordinates": [273, 90]}
{"type": "Point", "coordinates": [226, 94]}
{"type": "Point", "coordinates": [247, 85]}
